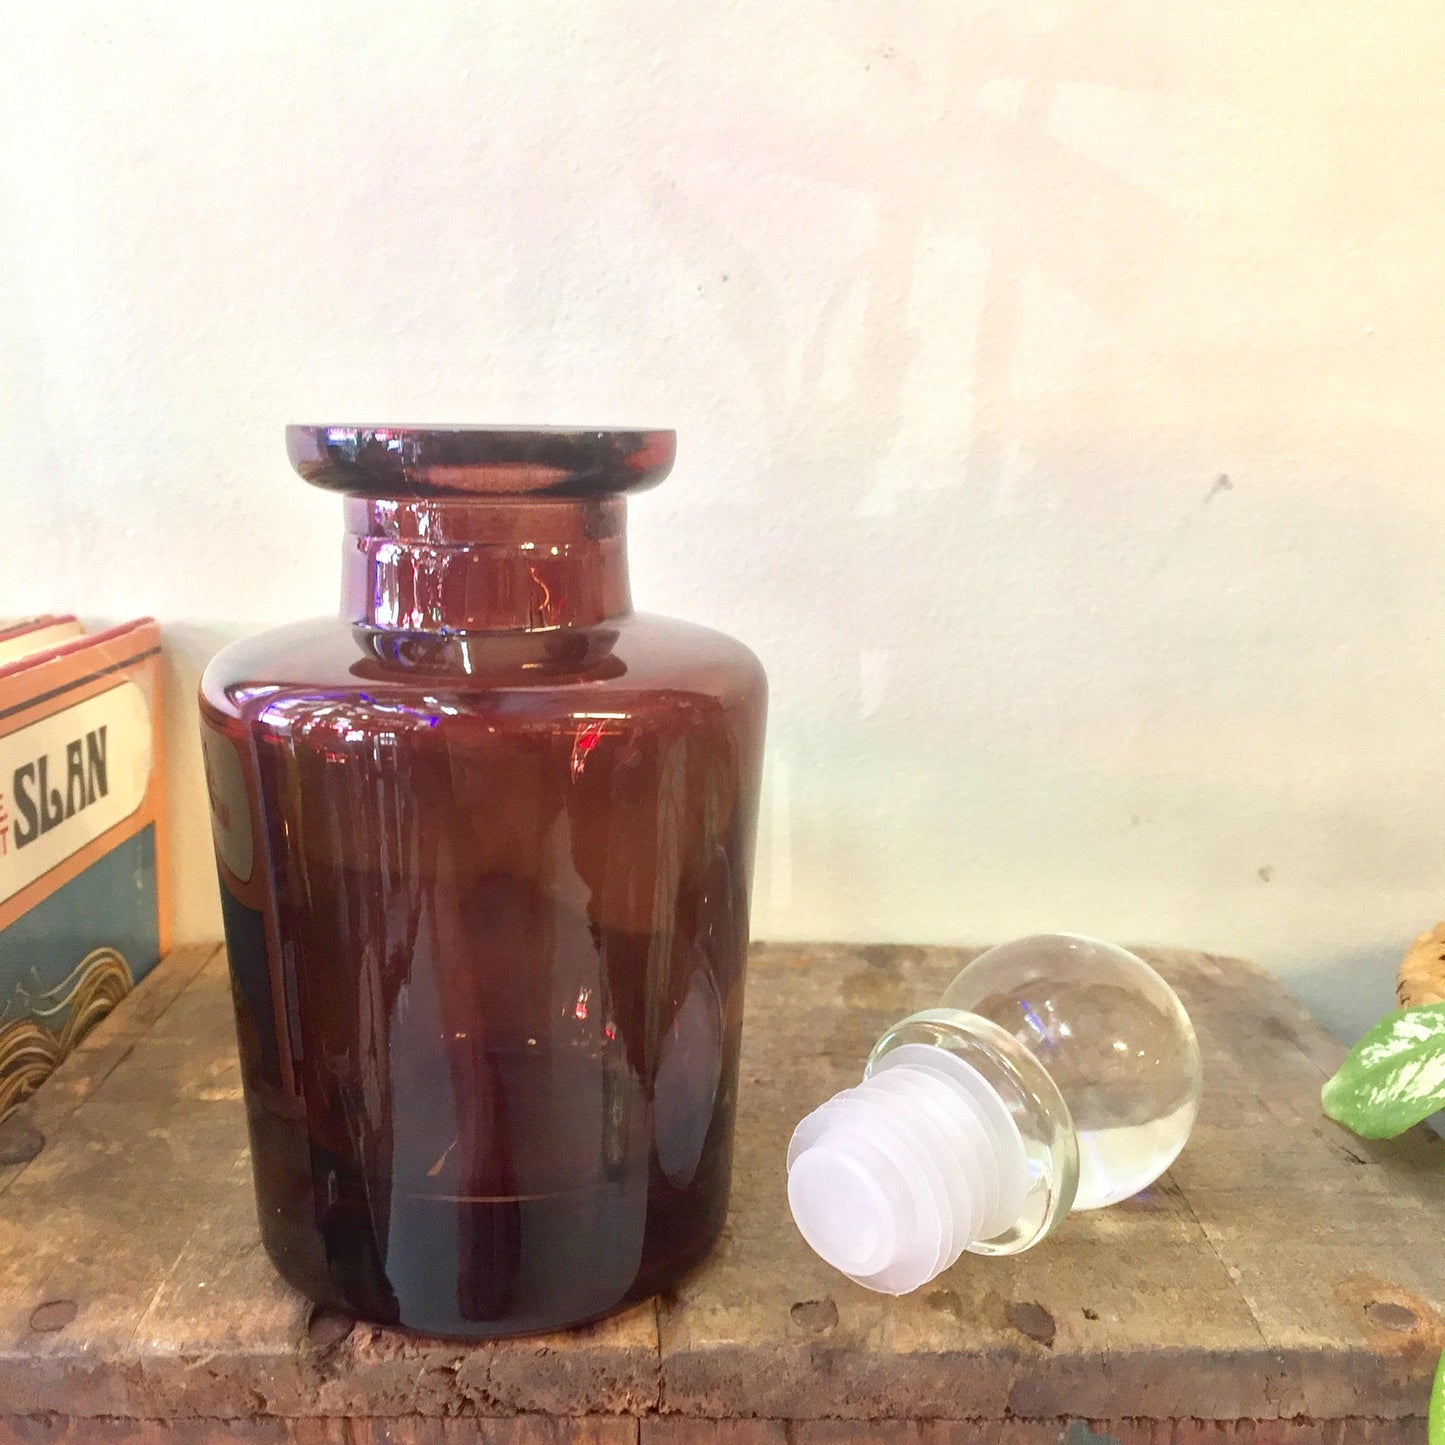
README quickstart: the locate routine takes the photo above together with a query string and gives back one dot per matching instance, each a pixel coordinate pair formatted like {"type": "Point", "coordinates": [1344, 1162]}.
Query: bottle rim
{"type": "Point", "coordinates": [408, 461]}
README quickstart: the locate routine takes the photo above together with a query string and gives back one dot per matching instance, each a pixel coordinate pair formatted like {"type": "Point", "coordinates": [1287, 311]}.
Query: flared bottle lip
{"type": "Point", "coordinates": [379, 460]}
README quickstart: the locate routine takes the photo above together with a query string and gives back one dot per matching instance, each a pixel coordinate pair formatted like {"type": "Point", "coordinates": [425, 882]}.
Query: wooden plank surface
{"type": "Point", "coordinates": [1283, 1272]}
{"type": "Point", "coordinates": [1235, 1288]}
{"type": "Point", "coordinates": [133, 1236]}
{"type": "Point", "coordinates": [24, 1133]}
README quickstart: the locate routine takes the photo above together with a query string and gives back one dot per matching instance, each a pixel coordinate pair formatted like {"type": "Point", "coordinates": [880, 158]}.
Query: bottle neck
{"type": "Point", "coordinates": [484, 564]}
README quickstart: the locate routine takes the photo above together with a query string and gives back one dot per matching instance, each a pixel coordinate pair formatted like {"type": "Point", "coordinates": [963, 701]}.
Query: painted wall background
{"type": "Point", "coordinates": [1059, 389]}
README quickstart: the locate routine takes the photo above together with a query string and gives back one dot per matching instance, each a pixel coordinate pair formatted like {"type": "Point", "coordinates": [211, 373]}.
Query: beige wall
{"type": "Point", "coordinates": [1060, 392]}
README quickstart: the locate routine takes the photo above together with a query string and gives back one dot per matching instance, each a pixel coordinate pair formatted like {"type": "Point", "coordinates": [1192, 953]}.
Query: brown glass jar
{"type": "Point", "coordinates": [485, 845]}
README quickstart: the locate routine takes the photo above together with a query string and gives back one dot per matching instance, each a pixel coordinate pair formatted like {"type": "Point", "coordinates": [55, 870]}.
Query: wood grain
{"type": "Point", "coordinates": [140, 1213]}
{"type": "Point", "coordinates": [1171, 1304]}
{"type": "Point", "coordinates": [692, 1430]}
{"type": "Point", "coordinates": [273, 1430]}
{"type": "Point", "coordinates": [102, 1049]}
{"type": "Point", "coordinates": [1285, 1277]}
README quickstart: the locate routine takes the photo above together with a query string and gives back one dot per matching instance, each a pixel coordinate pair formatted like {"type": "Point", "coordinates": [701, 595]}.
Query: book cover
{"type": "Point", "coordinates": [83, 901]}
{"type": "Point", "coordinates": [36, 634]}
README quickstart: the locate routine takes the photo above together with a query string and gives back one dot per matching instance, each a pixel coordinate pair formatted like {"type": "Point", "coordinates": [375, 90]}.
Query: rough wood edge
{"type": "Point", "coordinates": [531, 1429]}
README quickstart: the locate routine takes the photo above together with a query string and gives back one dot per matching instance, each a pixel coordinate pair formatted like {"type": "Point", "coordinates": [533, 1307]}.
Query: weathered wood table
{"type": "Point", "coordinates": [1285, 1282]}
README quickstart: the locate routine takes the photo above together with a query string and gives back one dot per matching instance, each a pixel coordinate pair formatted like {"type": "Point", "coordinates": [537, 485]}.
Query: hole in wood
{"type": "Point", "coordinates": [1390, 1316]}
{"type": "Point", "coordinates": [19, 1142]}
{"type": "Point", "coordinates": [327, 1327]}
{"type": "Point", "coordinates": [815, 1315]}
{"type": "Point", "coordinates": [53, 1315]}
{"type": "Point", "coordinates": [1031, 1319]}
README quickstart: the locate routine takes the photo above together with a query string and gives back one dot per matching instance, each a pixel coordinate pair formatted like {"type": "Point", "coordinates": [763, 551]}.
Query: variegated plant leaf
{"type": "Point", "coordinates": [1394, 1077]}
{"type": "Point", "coordinates": [1437, 1406]}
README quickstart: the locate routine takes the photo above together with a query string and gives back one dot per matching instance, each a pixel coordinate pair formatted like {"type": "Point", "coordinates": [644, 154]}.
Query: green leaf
{"type": "Point", "coordinates": [1394, 1077]}
{"type": "Point", "coordinates": [1437, 1407]}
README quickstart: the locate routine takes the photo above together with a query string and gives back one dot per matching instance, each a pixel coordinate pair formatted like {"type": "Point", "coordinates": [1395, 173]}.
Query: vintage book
{"type": "Point", "coordinates": [35, 634]}
{"type": "Point", "coordinates": [83, 899]}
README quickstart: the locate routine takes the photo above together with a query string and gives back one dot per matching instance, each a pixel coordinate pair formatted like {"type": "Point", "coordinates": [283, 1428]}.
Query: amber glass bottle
{"type": "Point", "coordinates": [485, 845]}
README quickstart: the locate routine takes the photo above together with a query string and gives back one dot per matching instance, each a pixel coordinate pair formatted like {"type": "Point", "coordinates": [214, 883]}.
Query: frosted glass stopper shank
{"type": "Point", "coordinates": [891, 1181]}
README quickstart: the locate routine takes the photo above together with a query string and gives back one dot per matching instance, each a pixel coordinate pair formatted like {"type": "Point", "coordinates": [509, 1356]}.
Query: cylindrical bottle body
{"type": "Point", "coordinates": [488, 957]}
